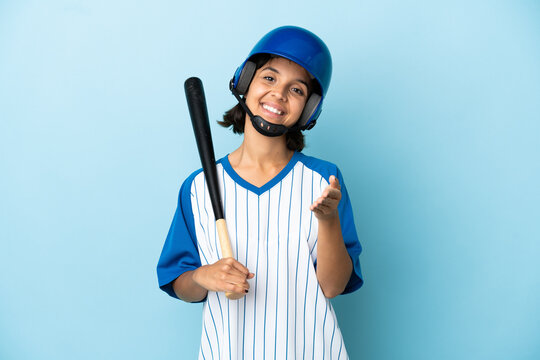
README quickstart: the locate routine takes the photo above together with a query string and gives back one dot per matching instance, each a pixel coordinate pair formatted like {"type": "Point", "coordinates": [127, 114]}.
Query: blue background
{"type": "Point", "coordinates": [433, 116]}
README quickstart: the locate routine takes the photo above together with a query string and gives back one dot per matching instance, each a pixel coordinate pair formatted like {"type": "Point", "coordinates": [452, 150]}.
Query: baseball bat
{"type": "Point", "coordinates": [201, 127]}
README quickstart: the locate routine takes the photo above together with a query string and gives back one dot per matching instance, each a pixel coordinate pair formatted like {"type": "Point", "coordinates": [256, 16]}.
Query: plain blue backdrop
{"type": "Point", "coordinates": [433, 116]}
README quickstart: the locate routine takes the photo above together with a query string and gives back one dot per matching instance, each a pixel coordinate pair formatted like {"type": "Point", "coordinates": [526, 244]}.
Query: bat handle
{"type": "Point", "coordinates": [226, 250]}
{"type": "Point", "coordinates": [223, 233]}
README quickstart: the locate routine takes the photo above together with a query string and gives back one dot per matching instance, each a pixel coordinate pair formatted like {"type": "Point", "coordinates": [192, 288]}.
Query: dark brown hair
{"type": "Point", "coordinates": [236, 116]}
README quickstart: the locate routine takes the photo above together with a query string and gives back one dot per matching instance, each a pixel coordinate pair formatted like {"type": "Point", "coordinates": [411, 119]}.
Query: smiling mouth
{"type": "Point", "coordinates": [272, 109]}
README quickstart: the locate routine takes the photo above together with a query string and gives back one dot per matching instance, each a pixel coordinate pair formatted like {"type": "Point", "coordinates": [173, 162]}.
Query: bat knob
{"type": "Point", "coordinates": [234, 296]}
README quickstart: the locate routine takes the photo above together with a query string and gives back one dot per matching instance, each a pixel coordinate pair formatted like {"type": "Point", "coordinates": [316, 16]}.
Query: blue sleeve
{"type": "Point", "coordinates": [350, 237]}
{"type": "Point", "coordinates": [180, 253]}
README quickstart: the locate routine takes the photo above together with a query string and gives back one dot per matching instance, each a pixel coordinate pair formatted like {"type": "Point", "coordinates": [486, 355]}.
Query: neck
{"type": "Point", "coordinates": [260, 150]}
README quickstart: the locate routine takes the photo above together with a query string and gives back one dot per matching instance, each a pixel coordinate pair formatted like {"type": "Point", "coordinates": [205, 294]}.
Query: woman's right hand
{"type": "Point", "coordinates": [225, 275]}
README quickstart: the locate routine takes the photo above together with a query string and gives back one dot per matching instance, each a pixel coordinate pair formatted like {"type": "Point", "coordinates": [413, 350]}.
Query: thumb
{"type": "Point", "coordinates": [334, 182]}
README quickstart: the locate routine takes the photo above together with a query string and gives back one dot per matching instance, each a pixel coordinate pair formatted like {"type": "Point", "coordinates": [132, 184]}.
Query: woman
{"type": "Point", "coordinates": [289, 217]}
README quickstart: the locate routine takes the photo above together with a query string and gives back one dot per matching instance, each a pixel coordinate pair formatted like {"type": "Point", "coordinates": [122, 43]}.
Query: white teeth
{"type": "Point", "coordinates": [274, 110]}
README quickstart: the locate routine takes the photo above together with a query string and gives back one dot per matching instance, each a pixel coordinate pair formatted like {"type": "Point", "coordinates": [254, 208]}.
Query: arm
{"type": "Point", "coordinates": [180, 272]}
{"type": "Point", "coordinates": [334, 265]}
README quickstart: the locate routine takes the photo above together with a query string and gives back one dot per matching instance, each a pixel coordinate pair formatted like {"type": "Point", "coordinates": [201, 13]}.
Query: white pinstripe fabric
{"type": "Point", "coordinates": [285, 315]}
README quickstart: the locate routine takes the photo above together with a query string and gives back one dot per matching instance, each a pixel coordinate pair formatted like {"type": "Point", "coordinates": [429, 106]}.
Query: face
{"type": "Point", "coordinates": [279, 91]}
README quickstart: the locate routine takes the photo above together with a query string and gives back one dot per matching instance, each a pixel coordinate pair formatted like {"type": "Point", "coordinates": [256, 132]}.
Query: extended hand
{"type": "Point", "coordinates": [325, 207]}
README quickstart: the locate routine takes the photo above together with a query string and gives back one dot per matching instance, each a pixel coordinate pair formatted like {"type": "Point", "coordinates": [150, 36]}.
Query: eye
{"type": "Point", "coordinates": [268, 77]}
{"type": "Point", "coordinates": [298, 91]}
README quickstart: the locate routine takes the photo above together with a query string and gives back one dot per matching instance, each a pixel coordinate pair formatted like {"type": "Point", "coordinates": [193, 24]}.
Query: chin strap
{"type": "Point", "coordinates": [264, 127]}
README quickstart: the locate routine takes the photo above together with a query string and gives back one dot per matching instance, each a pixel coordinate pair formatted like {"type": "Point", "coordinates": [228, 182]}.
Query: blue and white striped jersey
{"type": "Point", "coordinates": [273, 233]}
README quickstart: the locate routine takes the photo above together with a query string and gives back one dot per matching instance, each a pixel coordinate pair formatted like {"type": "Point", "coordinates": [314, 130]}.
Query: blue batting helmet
{"type": "Point", "coordinates": [304, 48]}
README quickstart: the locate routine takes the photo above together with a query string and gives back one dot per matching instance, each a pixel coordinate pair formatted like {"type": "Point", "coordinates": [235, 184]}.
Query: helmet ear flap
{"type": "Point", "coordinates": [309, 110]}
{"type": "Point", "coordinates": [245, 77]}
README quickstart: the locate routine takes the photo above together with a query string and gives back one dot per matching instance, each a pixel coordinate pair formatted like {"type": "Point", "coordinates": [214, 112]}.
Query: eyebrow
{"type": "Point", "coordinates": [277, 72]}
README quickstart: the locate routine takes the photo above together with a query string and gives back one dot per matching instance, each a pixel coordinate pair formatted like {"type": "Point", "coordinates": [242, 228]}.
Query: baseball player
{"type": "Point", "coordinates": [289, 217]}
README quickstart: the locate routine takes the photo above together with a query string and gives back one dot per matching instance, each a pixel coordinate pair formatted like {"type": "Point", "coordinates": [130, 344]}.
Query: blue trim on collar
{"type": "Point", "coordinates": [259, 190]}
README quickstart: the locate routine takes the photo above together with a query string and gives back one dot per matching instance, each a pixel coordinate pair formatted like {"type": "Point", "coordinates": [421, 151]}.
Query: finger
{"type": "Point", "coordinates": [229, 283]}
{"type": "Point", "coordinates": [232, 288]}
{"type": "Point", "coordinates": [331, 193]}
{"type": "Point", "coordinates": [231, 276]}
{"type": "Point", "coordinates": [235, 288]}
{"type": "Point", "coordinates": [322, 213]}
{"type": "Point", "coordinates": [334, 194]}
{"type": "Point", "coordinates": [238, 266]}
{"type": "Point", "coordinates": [316, 204]}
{"type": "Point", "coordinates": [323, 210]}
{"type": "Point", "coordinates": [236, 270]}
{"type": "Point", "coordinates": [235, 277]}
{"type": "Point", "coordinates": [231, 263]}
{"type": "Point", "coordinates": [330, 202]}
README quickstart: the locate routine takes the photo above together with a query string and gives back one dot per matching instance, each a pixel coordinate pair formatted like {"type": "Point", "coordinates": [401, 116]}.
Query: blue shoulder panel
{"type": "Point", "coordinates": [180, 252]}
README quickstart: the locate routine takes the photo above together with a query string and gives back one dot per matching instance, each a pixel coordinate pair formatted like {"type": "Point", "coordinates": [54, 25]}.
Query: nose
{"type": "Point", "coordinates": [280, 92]}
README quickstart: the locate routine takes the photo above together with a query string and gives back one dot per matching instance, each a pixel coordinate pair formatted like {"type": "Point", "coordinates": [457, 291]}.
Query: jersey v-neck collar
{"type": "Point", "coordinates": [270, 184]}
